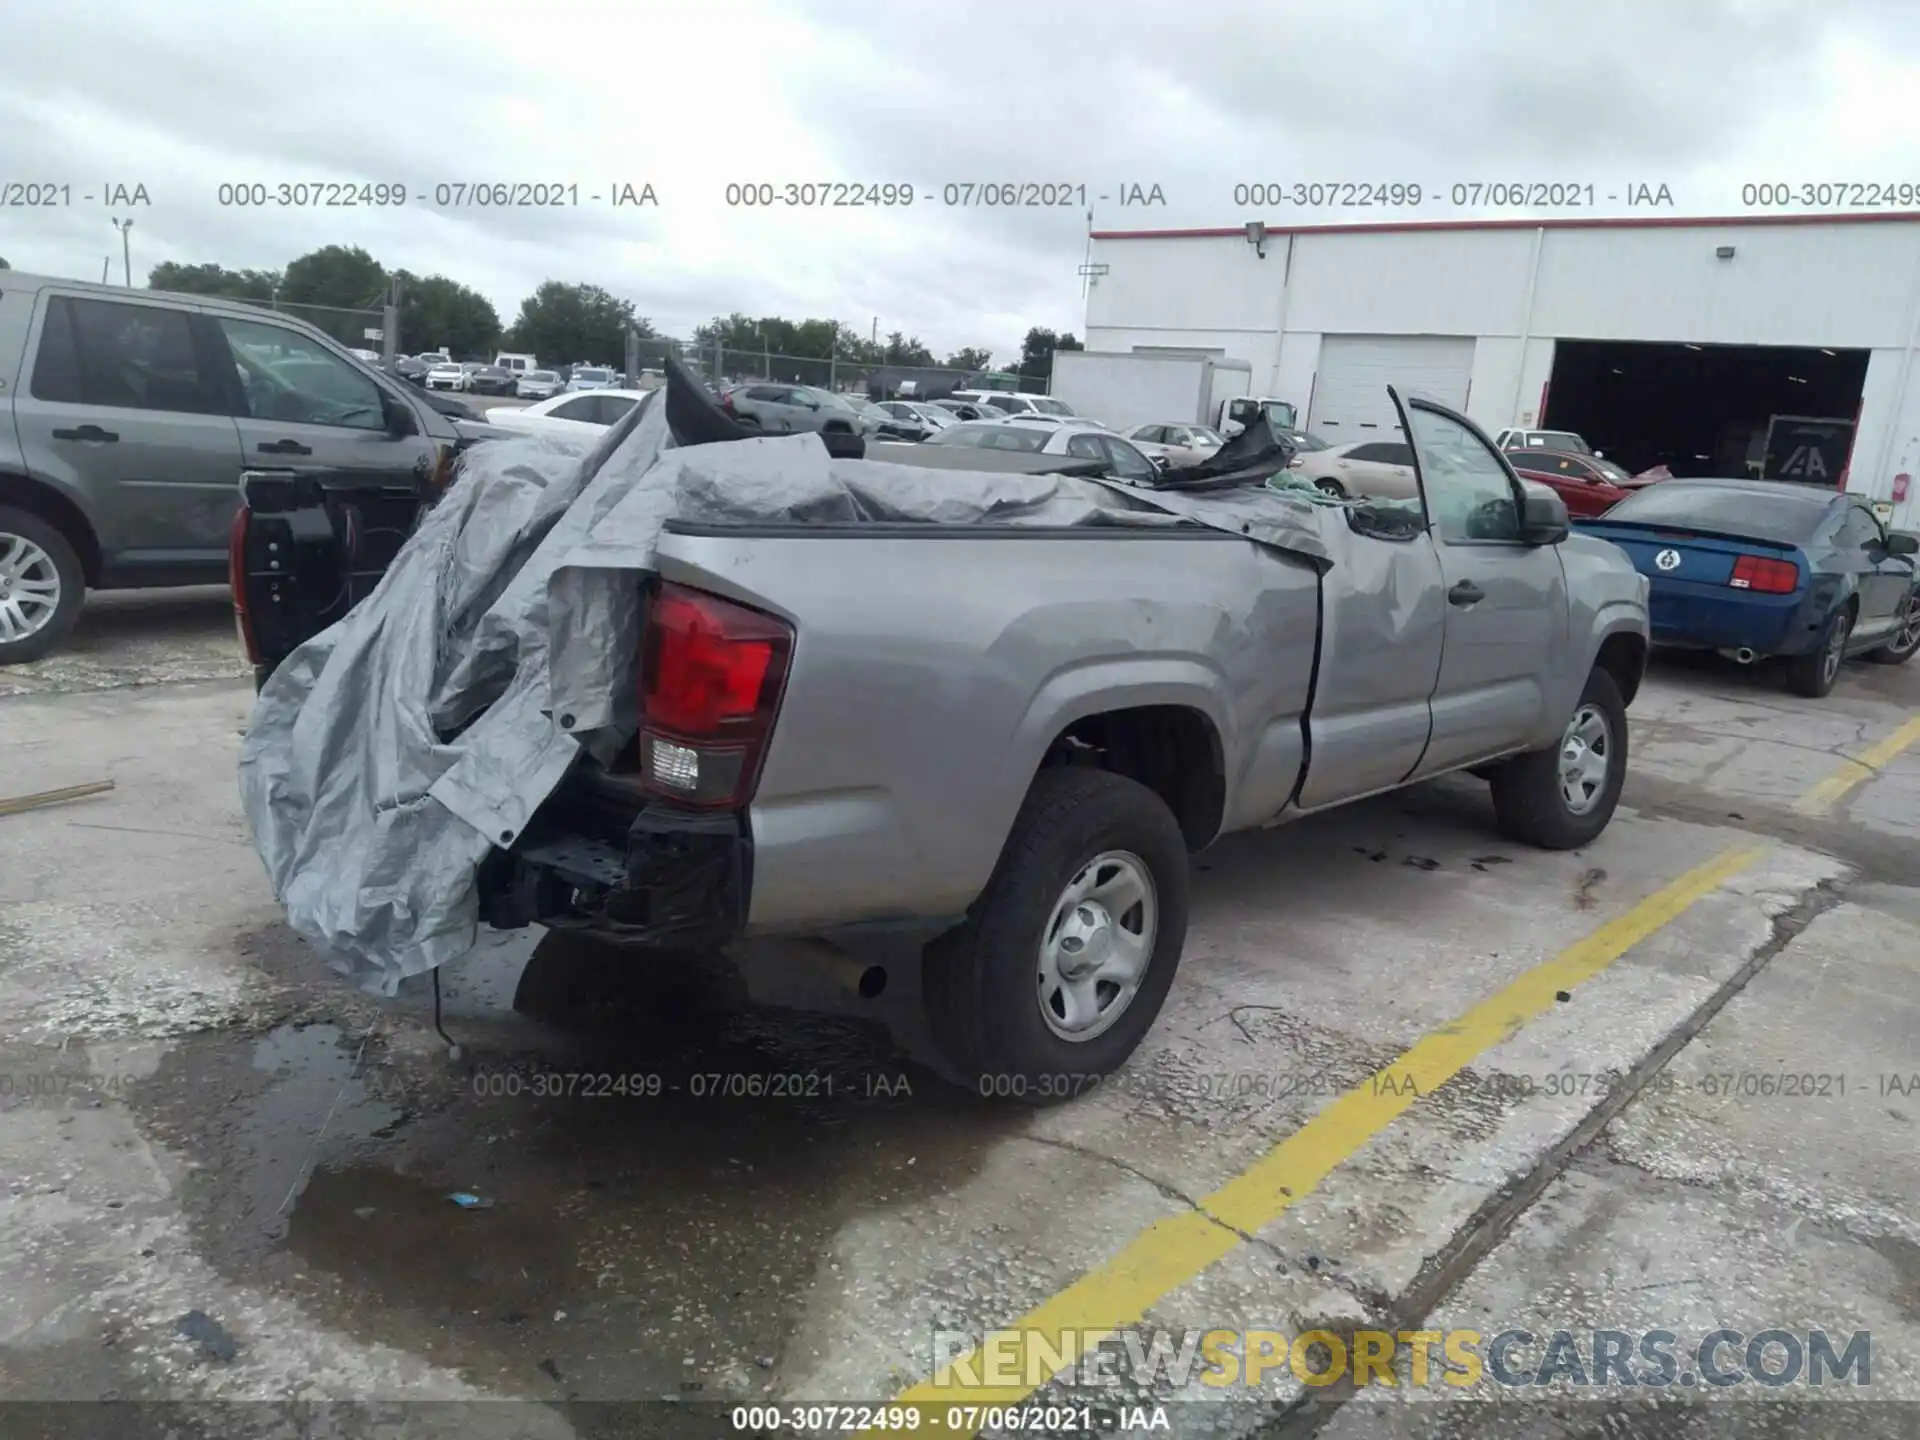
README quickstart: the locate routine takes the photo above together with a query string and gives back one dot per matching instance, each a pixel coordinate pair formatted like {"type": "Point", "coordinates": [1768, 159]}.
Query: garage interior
{"type": "Point", "coordinates": [1698, 409]}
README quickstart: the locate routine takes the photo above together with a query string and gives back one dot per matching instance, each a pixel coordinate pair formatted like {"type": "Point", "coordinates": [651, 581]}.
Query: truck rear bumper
{"type": "Point", "coordinates": [616, 862]}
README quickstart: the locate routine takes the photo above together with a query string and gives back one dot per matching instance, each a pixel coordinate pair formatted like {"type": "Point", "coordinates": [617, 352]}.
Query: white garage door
{"type": "Point", "coordinates": [1350, 392]}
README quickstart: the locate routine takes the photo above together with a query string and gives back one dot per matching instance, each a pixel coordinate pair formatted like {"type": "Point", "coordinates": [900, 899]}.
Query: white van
{"type": "Point", "coordinates": [518, 364]}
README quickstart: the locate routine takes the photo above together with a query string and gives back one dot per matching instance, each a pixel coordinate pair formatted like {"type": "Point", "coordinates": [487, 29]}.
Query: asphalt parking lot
{"type": "Point", "coordinates": [1411, 1079]}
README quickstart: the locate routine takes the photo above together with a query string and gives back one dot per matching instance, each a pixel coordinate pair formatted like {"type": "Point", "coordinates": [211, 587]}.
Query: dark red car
{"type": "Point", "coordinates": [1589, 484]}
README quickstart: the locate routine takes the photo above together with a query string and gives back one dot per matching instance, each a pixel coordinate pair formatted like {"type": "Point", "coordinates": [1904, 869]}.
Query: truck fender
{"type": "Point", "coordinates": [1105, 686]}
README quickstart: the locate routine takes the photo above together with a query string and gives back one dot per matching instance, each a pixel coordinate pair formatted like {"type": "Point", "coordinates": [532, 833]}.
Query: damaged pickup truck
{"type": "Point", "coordinates": [701, 690]}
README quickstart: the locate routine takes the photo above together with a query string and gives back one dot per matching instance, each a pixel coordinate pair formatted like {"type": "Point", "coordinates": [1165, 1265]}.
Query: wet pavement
{"type": "Point", "coordinates": [694, 1186]}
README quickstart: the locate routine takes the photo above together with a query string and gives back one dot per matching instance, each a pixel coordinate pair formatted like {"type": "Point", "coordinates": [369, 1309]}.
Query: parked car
{"type": "Point", "coordinates": [1588, 484]}
{"type": "Point", "coordinates": [490, 380]}
{"type": "Point", "coordinates": [787, 409]}
{"type": "Point", "coordinates": [1015, 402]}
{"type": "Point", "coordinates": [446, 375]}
{"type": "Point", "coordinates": [128, 416]}
{"type": "Point", "coordinates": [538, 385]}
{"type": "Point", "coordinates": [1068, 718]}
{"type": "Point", "coordinates": [970, 410]}
{"type": "Point", "coordinates": [1518, 439]}
{"type": "Point", "coordinates": [1760, 568]}
{"type": "Point", "coordinates": [592, 377]}
{"type": "Point", "coordinates": [889, 426]}
{"type": "Point", "coordinates": [369, 357]}
{"type": "Point", "coordinates": [1177, 444]}
{"type": "Point", "coordinates": [932, 417]}
{"type": "Point", "coordinates": [1303, 441]}
{"type": "Point", "coordinates": [518, 362]}
{"type": "Point", "coordinates": [578, 413]}
{"type": "Point", "coordinates": [1120, 458]}
{"type": "Point", "coordinates": [1382, 469]}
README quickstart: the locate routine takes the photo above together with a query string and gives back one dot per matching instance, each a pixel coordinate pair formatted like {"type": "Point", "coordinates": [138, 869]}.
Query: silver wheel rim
{"type": "Point", "coordinates": [1586, 752]}
{"type": "Point", "coordinates": [1095, 949]}
{"type": "Point", "coordinates": [1836, 647]}
{"type": "Point", "coordinates": [1908, 637]}
{"type": "Point", "coordinates": [29, 588]}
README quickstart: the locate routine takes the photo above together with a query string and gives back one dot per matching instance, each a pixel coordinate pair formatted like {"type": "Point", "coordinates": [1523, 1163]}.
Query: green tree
{"type": "Point", "coordinates": [257, 286]}
{"type": "Point", "coordinates": [971, 358]}
{"type": "Point", "coordinates": [576, 324]}
{"type": "Point", "coordinates": [1036, 355]}
{"type": "Point", "coordinates": [801, 352]}
{"type": "Point", "coordinates": [345, 277]}
{"type": "Point", "coordinates": [901, 350]}
{"type": "Point", "coordinates": [3, 263]}
{"type": "Point", "coordinates": [444, 314]}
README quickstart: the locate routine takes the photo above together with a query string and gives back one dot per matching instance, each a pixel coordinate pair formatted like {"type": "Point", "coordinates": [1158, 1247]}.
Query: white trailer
{"type": "Point", "coordinates": [1124, 389]}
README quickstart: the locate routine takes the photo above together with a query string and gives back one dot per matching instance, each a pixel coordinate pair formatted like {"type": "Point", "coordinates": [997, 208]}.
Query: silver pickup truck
{"type": "Point", "coordinates": [991, 750]}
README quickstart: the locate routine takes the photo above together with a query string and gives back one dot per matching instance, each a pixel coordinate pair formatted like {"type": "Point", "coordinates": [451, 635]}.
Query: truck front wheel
{"type": "Point", "coordinates": [1563, 797]}
{"type": "Point", "coordinates": [1062, 964]}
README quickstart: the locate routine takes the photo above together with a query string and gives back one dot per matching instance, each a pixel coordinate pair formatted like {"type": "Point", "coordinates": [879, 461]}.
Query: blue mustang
{"type": "Point", "coordinates": [1758, 568]}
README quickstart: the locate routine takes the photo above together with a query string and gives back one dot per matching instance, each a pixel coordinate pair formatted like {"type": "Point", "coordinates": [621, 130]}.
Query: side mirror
{"type": "Point", "coordinates": [1543, 518]}
{"type": "Point", "coordinates": [1901, 544]}
{"type": "Point", "coordinates": [400, 418]}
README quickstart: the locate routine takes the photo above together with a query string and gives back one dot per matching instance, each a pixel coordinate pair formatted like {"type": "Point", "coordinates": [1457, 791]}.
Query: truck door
{"type": "Point", "coordinates": [1506, 600]}
{"type": "Point", "coordinates": [1384, 620]}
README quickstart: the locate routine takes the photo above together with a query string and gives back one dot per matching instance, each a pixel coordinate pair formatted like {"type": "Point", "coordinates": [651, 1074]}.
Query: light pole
{"type": "Point", "coordinates": [126, 248]}
{"type": "Point", "coordinates": [766, 354]}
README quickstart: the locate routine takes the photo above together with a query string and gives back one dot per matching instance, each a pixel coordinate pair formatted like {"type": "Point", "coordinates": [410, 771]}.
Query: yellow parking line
{"type": "Point", "coordinates": [1868, 763]}
{"type": "Point", "coordinates": [1174, 1251]}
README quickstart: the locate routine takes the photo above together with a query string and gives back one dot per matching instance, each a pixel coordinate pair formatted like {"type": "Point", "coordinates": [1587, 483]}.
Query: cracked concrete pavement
{"type": "Point", "coordinates": [195, 1114]}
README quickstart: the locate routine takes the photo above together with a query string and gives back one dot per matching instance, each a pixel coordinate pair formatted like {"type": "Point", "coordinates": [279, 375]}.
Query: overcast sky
{"type": "Point", "coordinates": [1194, 97]}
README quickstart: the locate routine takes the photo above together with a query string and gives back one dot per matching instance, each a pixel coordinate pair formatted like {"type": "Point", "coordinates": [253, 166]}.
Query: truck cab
{"type": "Point", "coordinates": [1235, 414]}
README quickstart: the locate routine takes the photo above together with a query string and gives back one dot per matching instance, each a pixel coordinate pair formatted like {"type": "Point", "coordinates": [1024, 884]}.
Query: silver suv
{"type": "Point", "coordinates": [787, 409]}
{"type": "Point", "coordinates": [127, 418]}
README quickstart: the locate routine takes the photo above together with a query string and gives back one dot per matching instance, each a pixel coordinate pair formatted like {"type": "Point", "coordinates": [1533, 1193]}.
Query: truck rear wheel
{"type": "Point", "coordinates": [1063, 963]}
{"type": "Point", "coordinates": [41, 586]}
{"type": "Point", "coordinates": [1561, 798]}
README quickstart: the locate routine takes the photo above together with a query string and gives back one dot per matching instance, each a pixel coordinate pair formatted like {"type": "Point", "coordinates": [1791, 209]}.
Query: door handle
{"type": "Point", "coordinates": [283, 447]}
{"type": "Point", "coordinates": [88, 432]}
{"type": "Point", "coordinates": [1466, 593]}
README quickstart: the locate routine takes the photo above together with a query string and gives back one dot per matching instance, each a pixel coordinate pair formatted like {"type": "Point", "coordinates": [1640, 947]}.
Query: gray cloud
{"type": "Point", "coordinates": [1193, 97]}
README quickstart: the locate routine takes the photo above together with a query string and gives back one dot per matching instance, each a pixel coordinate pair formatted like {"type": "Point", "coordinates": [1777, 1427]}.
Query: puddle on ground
{"type": "Point", "coordinates": [663, 1183]}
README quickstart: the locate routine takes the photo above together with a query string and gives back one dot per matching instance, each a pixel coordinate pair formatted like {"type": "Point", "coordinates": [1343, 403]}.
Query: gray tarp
{"type": "Point", "coordinates": [389, 754]}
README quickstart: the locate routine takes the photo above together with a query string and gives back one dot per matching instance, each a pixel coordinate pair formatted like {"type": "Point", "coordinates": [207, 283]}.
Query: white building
{"type": "Point", "coordinates": [1661, 340]}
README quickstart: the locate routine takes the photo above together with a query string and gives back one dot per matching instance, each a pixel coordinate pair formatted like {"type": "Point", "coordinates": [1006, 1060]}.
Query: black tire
{"type": "Point", "coordinates": [67, 570]}
{"type": "Point", "coordinates": [1811, 674]}
{"type": "Point", "coordinates": [980, 978]}
{"type": "Point", "coordinates": [1332, 487]}
{"type": "Point", "coordinates": [1528, 800]}
{"type": "Point", "coordinates": [1906, 634]}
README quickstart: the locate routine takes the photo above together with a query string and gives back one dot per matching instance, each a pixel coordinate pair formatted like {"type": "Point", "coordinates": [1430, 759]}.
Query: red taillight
{"type": "Point", "coordinates": [237, 578]}
{"type": "Point", "coordinates": [711, 675]}
{"type": "Point", "coordinates": [1769, 577]}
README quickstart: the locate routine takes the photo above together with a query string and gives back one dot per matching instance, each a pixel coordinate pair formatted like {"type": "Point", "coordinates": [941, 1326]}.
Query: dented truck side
{"type": "Point", "coordinates": [989, 750]}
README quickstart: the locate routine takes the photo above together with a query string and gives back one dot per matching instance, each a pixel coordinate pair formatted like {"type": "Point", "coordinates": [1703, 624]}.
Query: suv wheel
{"type": "Point", "coordinates": [1064, 961]}
{"type": "Point", "coordinates": [1563, 797]}
{"type": "Point", "coordinates": [41, 586]}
